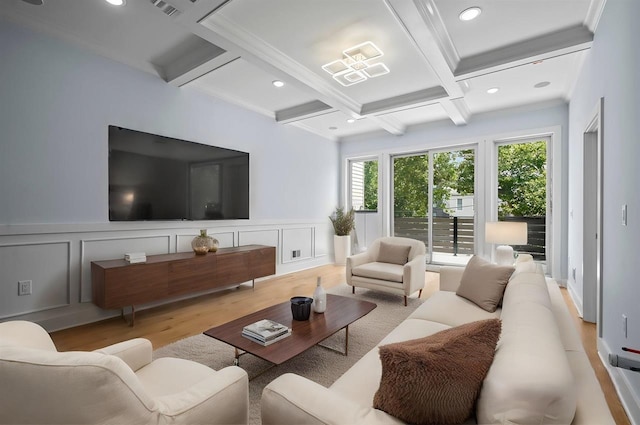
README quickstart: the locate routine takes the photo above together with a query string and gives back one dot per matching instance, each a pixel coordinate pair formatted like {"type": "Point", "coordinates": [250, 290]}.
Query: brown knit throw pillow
{"type": "Point", "coordinates": [437, 379]}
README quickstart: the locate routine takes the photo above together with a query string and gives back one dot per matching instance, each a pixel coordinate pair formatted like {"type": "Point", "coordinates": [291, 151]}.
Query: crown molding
{"type": "Point", "coordinates": [178, 76]}
{"type": "Point", "coordinates": [594, 13]}
{"type": "Point", "coordinates": [196, 84]}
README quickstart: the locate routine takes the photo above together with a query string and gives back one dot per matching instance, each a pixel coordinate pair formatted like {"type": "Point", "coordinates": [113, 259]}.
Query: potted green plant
{"type": "Point", "coordinates": [343, 224]}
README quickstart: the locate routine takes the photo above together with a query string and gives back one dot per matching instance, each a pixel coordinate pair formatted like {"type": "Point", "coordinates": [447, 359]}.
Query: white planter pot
{"type": "Point", "coordinates": [341, 248]}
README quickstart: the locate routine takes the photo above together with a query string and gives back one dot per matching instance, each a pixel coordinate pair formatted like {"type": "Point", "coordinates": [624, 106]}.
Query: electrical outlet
{"type": "Point", "coordinates": [624, 325]}
{"type": "Point", "coordinates": [24, 287]}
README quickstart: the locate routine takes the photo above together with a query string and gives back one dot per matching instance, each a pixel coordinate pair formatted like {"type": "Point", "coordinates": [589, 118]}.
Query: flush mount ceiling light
{"type": "Point", "coordinates": [355, 65]}
{"type": "Point", "coordinates": [116, 2]}
{"type": "Point", "coordinates": [351, 120]}
{"type": "Point", "coordinates": [470, 14]}
{"type": "Point", "coordinates": [542, 84]}
{"type": "Point", "coordinates": [493, 90]}
{"type": "Point", "coordinates": [277, 83]}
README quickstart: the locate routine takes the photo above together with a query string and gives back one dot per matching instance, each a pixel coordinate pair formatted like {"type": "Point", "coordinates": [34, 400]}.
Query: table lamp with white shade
{"type": "Point", "coordinates": [505, 233]}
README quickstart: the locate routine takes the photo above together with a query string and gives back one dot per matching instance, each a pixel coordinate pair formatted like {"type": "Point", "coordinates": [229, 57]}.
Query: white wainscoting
{"type": "Point", "coordinates": [46, 264]}
{"type": "Point", "coordinates": [297, 240]}
{"type": "Point", "coordinates": [57, 259]}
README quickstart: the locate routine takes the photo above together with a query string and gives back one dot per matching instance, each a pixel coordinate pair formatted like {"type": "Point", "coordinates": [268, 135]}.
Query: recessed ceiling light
{"type": "Point", "coordinates": [34, 2]}
{"type": "Point", "coordinates": [333, 128]}
{"type": "Point", "coordinates": [277, 83]}
{"type": "Point", "coordinates": [470, 13]}
{"type": "Point", "coordinates": [493, 90]}
{"type": "Point", "coordinates": [116, 2]}
{"type": "Point", "coordinates": [351, 120]}
{"type": "Point", "coordinates": [542, 84]}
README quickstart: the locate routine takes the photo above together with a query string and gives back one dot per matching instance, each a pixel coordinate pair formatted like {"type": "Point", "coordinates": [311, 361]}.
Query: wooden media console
{"type": "Point", "coordinates": [117, 284]}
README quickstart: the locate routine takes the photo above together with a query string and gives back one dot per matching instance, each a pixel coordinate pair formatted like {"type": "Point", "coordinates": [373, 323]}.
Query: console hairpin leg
{"type": "Point", "coordinates": [253, 284]}
{"type": "Point", "coordinates": [133, 316]}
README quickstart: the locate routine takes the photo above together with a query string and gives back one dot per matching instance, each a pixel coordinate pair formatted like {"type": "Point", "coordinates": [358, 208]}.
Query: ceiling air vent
{"type": "Point", "coordinates": [166, 8]}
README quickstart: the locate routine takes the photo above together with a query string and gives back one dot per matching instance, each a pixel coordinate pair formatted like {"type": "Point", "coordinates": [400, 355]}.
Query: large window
{"type": "Point", "coordinates": [522, 191]}
{"type": "Point", "coordinates": [364, 185]}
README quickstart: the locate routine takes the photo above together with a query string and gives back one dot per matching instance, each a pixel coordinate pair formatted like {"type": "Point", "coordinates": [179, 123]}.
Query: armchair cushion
{"type": "Point", "coordinates": [393, 253]}
{"type": "Point", "coordinates": [382, 271]}
{"type": "Point", "coordinates": [436, 379]}
{"type": "Point", "coordinates": [483, 283]}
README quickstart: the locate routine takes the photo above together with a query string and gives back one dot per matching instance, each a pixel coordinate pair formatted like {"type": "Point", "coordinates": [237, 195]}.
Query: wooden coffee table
{"type": "Point", "coordinates": [340, 313]}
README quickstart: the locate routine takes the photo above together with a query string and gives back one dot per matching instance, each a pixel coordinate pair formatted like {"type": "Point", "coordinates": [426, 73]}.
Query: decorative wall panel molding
{"type": "Point", "coordinates": [299, 241]}
{"type": "Point", "coordinates": [46, 264]}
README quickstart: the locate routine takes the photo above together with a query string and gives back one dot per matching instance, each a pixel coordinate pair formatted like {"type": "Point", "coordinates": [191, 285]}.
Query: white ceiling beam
{"type": "Point", "coordinates": [417, 98]}
{"type": "Point", "coordinates": [558, 43]}
{"type": "Point", "coordinates": [457, 110]}
{"type": "Point", "coordinates": [272, 60]}
{"type": "Point", "coordinates": [425, 28]}
{"type": "Point", "coordinates": [301, 112]}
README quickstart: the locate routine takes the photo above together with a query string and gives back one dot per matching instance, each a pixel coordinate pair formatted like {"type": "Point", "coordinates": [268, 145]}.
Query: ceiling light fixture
{"type": "Point", "coordinates": [355, 65]}
{"type": "Point", "coordinates": [277, 83]}
{"type": "Point", "coordinates": [470, 13]}
{"type": "Point", "coordinates": [542, 84]}
{"type": "Point", "coordinates": [116, 2]}
{"type": "Point", "coordinates": [351, 120]}
{"type": "Point", "coordinates": [493, 90]}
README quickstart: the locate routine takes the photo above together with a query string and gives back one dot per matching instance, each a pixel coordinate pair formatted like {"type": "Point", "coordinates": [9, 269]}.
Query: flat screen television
{"type": "Point", "coordinates": [153, 177]}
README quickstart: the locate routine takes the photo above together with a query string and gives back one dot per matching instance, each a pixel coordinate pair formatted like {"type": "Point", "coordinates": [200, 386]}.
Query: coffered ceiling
{"type": "Point", "coordinates": [440, 67]}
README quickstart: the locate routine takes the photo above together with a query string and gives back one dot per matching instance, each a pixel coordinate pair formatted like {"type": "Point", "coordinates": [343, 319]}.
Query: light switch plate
{"type": "Point", "coordinates": [624, 215]}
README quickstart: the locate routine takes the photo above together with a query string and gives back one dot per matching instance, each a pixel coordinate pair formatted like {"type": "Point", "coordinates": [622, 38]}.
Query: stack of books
{"type": "Point", "coordinates": [265, 332]}
{"type": "Point", "coordinates": [135, 257]}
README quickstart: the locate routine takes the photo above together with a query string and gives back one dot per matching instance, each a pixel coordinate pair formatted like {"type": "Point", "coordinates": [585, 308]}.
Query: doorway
{"type": "Point", "coordinates": [592, 219]}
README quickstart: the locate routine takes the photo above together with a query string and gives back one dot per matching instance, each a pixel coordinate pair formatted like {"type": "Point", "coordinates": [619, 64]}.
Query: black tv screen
{"type": "Point", "coordinates": [154, 177]}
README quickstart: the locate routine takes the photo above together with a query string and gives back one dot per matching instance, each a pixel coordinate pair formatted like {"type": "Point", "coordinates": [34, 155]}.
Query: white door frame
{"type": "Point", "coordinates": [592, 218]}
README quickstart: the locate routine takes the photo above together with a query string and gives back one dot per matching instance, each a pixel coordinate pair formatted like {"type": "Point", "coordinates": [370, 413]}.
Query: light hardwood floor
{"type": "Point", "coordinates": [172, 322]}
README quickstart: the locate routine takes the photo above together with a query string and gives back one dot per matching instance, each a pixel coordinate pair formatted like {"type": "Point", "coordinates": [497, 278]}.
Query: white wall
{"type": "Point", "coordinates": [611, 71]}
{"type": "Point", "coordinates": [57, 102]}
{"type": "Point", "coordinates": [482, 130]}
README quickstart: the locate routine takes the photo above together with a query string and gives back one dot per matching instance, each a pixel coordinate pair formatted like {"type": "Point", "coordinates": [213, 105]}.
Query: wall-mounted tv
{"type": "Point", "coordinates": [153, 177]}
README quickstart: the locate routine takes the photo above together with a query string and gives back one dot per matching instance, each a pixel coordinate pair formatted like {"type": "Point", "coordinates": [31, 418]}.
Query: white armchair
{"type": "Point", "coordinates": [119, 384]}
{"type": "Point", "coordinates": [391, 264]}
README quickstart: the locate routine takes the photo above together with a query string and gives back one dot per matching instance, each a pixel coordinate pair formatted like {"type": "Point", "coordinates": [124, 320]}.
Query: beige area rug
{"type": "Point", "coordinates": [319, 364]}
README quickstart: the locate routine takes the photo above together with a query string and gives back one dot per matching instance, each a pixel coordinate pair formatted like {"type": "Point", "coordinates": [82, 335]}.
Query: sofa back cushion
{"type": "Point", "coordinates": [530, 380]}
{"type": "Point", "coordinates": [483, 283]}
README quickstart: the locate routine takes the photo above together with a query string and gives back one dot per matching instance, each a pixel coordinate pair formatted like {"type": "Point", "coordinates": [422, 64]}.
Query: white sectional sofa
{"type": "Point", "coordinates": [540, 373]}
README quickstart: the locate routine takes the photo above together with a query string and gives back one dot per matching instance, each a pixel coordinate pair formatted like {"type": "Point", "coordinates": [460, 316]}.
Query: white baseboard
{"type": "Point", "coordinates": [628, 398]}
{"type": "Point", "coordinates": [575, 297]}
